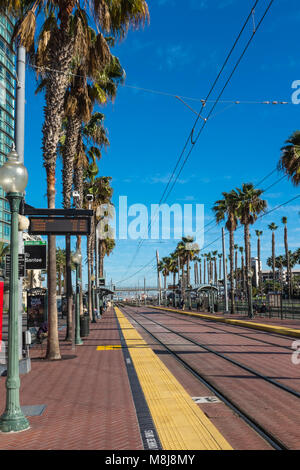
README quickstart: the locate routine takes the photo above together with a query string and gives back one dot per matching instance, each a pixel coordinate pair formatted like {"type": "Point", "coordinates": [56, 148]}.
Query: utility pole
{"type": "Point", "coordinates": [19, 142]}
{"type": "Point", "coordinates": [158, 278]}
{"type": "Point", "coordinates": [225, 272]}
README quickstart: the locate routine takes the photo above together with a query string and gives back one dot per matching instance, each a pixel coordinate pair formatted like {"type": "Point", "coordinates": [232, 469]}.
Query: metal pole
{"type": "Point", "coordinates": [13, 419]}
{"type": "Point", "coordinates": [19, 142]}
{"type": "Point", "coordinates": [158, 278]}
{"type": "Point", "coordinates": [145, 290]}
{"type": "Point", "coordinates": [78, 340]}
{"type": "Point", "coordinates": [97, 270]}
{"type": "Point", "coordinates": [225, 272]}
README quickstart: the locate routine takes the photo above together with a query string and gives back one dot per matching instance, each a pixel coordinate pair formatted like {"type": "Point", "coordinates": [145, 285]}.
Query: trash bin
{"type": "Point", "coordinates": [84, 326]}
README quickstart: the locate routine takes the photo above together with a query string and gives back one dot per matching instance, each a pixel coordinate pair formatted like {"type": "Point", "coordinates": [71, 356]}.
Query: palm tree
{"type": "Point", "coordinates": [102, 192]}
{"type": "Point", "coordinates": [243, 280]}
{"type": "Point", "coordinates": [226, 208]}
{"type": "Point", "coordinates": [249, 206]}
{"type": "Point", "coordinates": [273, 227]}
{"type": "Point", "coordinates": [259, 234]}
{"type": "Point", "coordinates": [164, 266]}
{"type": "Point", "coordinates": [286, 246]}
{"type": "Point", "coordinates": [65, 33]}
{"type": "Point", "coordinates": [289, 161]}
{"type": "Point", "coordinates": [60, 267]}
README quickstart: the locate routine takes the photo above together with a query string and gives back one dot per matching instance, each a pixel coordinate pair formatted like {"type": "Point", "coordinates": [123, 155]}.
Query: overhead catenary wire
{"type": "Point", "coordinates": [163, 198]}
{"type": "Point", "coordinates": [259, 217]}
{"type": "Point", "coordinates": [220, 95]}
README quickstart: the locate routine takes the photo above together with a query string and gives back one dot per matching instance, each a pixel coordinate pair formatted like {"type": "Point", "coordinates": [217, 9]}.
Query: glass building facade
{"type": "Point", "coordinates": [7, 99]}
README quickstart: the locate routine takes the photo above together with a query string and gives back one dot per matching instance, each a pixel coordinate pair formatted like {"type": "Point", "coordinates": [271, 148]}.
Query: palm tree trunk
{"type": "Point", "coordinates": [59, 280]}
{"type": "Point", "coordinates": [101, 258]}
{"type": "Point", "coordinates": [53, 351]}
{"type": "Point", "coordinates": [235, 268]}
{"type": "Point", "coordinates": [90, 258]}
{"type": "Point", "coordinates": [60, 57]}
{"type": "Point", "coordinates": [259, 270]}
{"type": "Point", "coordinates": [231, 249]}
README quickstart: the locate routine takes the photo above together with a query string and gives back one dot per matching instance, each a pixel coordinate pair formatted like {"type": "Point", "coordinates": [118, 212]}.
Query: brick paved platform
{"type": "Point", "coordinates": [88, 400]}
{"type": "Point", "coordinates": [87, 395]}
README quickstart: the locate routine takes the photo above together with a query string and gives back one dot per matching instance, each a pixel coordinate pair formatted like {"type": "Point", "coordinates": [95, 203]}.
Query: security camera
{"type": "Point", "coordinates": [89, 197]}
{"type": "Point", "coordinates": [75, 195]}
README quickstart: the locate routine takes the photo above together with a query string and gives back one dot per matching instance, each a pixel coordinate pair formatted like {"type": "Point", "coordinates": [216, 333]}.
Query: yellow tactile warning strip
{"type": "Point", "coordinates": [108, 347]}
{"type": "Point", "coordinates": [281, 330]}
{"type": "Point", "coordinates": [179, 422]}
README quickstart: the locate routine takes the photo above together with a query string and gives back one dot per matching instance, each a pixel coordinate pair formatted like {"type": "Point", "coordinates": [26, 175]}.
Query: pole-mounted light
{"type": "Point", "coordinates": [13, 179]}
{"type": "Point", "coordinates": [76, 258]}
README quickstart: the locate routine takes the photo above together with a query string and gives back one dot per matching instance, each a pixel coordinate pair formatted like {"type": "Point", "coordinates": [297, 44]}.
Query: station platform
{"type": "Point", "coordinates": [112, 393]}
{"type": "Point", "coordinates": [284, 327]}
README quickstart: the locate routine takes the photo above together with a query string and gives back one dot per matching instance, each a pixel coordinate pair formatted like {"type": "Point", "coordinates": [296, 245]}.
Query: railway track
{"type": "Point", "coordinates": [265, 434]}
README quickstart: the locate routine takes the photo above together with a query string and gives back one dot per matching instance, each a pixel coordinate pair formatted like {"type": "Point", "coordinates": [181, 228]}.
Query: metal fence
{"type": "Point", "coordinates": [286, 309]}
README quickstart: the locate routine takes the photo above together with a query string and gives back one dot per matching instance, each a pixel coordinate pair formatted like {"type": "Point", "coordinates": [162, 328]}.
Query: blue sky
{"type": "Point", "coordinates": [180, 53]}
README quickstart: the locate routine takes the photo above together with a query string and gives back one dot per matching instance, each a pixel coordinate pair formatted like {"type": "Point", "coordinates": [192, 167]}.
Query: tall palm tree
{"type": "Point", "coordinates": [226, 209]}
{"type": "Point", "coordinates": [249, 206]}
{"type": "Point", "coordinates": [273, 227]}
{"type": "Point", "coordinates": [65, 31]}
{"type": "Point", "coordinates": [259, 234]}
{"type": "Point", "coordinates": [102, 192]}
{"type": "Point", "coordinates": [286, 247]}
{"type": "Point", "coordinates": [289, 161]}
{"type": "Point", "coordinates": [60, 267]}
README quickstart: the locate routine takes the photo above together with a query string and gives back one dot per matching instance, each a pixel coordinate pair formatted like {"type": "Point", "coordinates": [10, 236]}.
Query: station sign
{"type": "Point", "coordinates": [59, 225]}
{"type": "Point", "coordinates": [36, 255]}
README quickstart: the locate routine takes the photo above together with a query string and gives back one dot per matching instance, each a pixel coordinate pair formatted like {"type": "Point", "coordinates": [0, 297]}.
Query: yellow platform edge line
{"type": "Point", "coordinates": [281, 330]}
{"type": "Point", "coordinates": [180, 423]}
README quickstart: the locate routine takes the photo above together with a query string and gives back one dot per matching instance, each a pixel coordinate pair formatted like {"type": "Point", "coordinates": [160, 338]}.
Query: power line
{"type": "Point", "coordinates": [259, 217]}
{"type": "Point", "coordinates": [220, 94]}
{"type": "Point", "coordinates": [198, 117]}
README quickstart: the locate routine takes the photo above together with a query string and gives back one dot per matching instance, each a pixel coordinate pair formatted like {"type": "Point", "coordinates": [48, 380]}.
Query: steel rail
{"type": "Point", "coordinates": [265, 434]}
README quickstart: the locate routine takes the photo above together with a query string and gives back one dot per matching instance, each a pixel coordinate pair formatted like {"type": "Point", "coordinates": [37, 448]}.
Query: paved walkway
{"type": "Point", "coordinates": [87, 395]}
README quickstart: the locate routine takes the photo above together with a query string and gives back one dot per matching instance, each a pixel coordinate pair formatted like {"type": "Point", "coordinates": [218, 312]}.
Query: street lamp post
{"type": "Point", "coordinates": [13, 179]}
{"type": "Point", "coordinates": [93, 298]}
{"type": "Point", "coordinates": [77, 261]}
